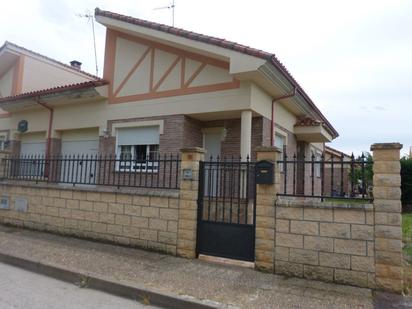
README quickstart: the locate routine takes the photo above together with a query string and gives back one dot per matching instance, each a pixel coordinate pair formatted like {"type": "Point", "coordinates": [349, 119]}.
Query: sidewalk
{"type": "Point", "coordinates": [191, 280]}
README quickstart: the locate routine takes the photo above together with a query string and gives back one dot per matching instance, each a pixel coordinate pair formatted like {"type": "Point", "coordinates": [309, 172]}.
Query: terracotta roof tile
{"type": "Point", "coordinates": [222, 43]}
{"type": "Point", "coordinates": [308, 122]}
{"type": "Point", "coordinates": [54, 90]}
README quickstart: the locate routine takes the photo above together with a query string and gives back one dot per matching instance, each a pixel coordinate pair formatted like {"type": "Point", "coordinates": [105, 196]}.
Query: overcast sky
{"type": "Point", "coordinates": [353, 58]}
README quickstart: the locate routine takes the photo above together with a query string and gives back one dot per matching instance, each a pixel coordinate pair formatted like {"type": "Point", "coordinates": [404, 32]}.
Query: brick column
{"type": "Point", "coordinates": [187, 225]}
{"type": "Point", "coordinates": [388, 220]}
{"type": "Point", "coordinates": [265, 214]}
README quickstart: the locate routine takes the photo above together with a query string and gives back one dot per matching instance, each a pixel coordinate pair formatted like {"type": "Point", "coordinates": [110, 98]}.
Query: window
{"type": "Point", "coordinates": [2, 142]}
{"type": "Point", "coordinates": [280, 142]}
{"type": "Point", "coordinates": [138, 149]}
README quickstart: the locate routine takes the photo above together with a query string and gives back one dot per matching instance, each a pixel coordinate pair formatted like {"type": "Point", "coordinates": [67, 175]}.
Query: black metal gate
{"type": "Point", "coordinates": [226, 209]}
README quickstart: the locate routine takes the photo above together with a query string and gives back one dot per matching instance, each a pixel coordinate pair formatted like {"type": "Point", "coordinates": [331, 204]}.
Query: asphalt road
{"type": "Point", "coordinates": [23, 289]}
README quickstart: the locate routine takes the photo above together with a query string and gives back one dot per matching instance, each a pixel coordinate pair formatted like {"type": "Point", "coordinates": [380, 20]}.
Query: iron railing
{"type": "Point", "coordinates": [227, 190]}
{"type": "Point", "coordinates": [333, 178]}
{"type": "Point", "coordinates": [161, 171]}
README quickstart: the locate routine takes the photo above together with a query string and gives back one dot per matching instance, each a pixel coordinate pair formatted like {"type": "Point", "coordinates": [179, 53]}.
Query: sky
{"type": "Point", "coordinates": [353, 58]}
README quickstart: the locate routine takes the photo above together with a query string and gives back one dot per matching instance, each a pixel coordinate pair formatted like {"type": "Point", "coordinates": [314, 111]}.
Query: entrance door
{"type": "Point", "coordinates": [226, 212]}
{"type": "Point", "coordinates": [212, 143]}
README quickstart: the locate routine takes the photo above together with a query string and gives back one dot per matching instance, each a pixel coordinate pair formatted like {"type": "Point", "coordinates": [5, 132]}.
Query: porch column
{"type": "Point", "coordinates": [245, 134]}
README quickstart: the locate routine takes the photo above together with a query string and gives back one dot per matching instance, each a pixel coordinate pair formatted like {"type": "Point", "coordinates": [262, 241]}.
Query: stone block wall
{"type": "Point", "coordinates": [146, 220]}
{"type": "Point", "coordinates": [325, 241]}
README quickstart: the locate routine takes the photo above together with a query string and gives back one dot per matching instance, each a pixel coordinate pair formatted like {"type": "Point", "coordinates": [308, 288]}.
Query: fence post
{"type": "Point", "coordinates": [265, 213]}
{"type": "Point", "coordinates": [189, 185]}
{"type": "Point", "coordinates": [388, 219]}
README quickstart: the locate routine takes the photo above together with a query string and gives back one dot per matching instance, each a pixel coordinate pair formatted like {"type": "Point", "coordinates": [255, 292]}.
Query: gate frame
{"type": "Point", "coordinates": [251, 257]}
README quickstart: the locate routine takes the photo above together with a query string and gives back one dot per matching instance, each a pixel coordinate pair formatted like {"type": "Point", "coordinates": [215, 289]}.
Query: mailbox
{"type": "Point", "coordinates": [264, 172]}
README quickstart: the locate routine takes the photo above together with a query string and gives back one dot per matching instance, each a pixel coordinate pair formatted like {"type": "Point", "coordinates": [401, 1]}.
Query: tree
{"type": "Point", "coordinates": [361, 173]}
{"type": "Point", "coordinates": [406, 180]}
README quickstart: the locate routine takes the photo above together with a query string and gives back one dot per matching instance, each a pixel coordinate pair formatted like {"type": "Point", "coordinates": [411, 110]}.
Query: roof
{"type": "Point", "coordinates": [333, 150]}
{"type": "Point", "coordinates": [55, 90]}
{"type": "Point", "coordinates": [7, 44]}
{"type": "Point", "coordinates": [224, 44]}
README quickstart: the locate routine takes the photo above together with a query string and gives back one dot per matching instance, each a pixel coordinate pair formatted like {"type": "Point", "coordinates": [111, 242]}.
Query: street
{"type": "Point", "coordinates": [23, 289]}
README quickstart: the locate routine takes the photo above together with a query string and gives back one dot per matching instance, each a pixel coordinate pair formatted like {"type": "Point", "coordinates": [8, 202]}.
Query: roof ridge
{"type": "Point", "coordinates": [6, 43]}
{"type": "Point", "coordinates": [224, 44]}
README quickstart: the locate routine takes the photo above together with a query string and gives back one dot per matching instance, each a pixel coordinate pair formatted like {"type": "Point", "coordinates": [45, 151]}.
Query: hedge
{"type": "Point", "coordinates": [406, 178]}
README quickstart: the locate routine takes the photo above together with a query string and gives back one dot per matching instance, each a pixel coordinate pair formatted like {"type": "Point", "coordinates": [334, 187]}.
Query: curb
{"type": "Point", "coordinates": [140, 294]}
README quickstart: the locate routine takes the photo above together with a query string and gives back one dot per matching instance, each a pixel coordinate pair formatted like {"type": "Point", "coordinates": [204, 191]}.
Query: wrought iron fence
{"type": "Point", "coordinates": [160, 171]}
{"type": "Point", "coordinates": [227, 192]}
{"type": "Point", "coordinates": [337, 178]}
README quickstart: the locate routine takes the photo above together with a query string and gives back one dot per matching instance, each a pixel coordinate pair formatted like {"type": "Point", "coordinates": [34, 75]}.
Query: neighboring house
{"type": "Point", "coordinates": [23, 73]}
{"type": "Point", "coordinates": [339, 184]}
{"type": "Point", "coordinates": [164, 89]}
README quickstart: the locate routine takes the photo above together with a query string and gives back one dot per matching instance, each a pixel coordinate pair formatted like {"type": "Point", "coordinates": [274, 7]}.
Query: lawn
{"type": "Point", "coordinates": [407, 250]}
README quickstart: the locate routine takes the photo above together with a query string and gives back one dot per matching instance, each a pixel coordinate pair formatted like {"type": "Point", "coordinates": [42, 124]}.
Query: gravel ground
{"type": "Point", "coordinates": [230, 285]}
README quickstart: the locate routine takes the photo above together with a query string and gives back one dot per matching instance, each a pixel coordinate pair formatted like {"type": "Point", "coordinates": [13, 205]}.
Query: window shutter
{"type": "Point", "coordinates": [138, 136]}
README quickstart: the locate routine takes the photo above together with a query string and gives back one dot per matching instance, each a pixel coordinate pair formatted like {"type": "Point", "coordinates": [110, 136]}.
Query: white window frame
{"type": "Point", "coordinates": [148, 167]}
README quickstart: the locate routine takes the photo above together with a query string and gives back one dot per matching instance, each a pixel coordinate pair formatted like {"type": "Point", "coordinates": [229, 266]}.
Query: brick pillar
{"type": "Point", "coordinates": [388, 220]}
{"type": "Point", "coordinates": [187, 225]}
{"type": "Point", "coordinates": [265, 213]}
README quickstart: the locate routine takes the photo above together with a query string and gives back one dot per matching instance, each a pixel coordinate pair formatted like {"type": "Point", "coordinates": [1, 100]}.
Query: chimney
{"type": "Point", "coordinates": [76, 64]}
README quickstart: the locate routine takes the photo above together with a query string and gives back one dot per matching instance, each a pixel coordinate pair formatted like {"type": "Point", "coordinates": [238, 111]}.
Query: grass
{"type": "Point", "coordinates": [407, 226]}
{"type": "Point", "coordinates": [337, 200]}
{"type": "Point", "coordinates": [407, 250]}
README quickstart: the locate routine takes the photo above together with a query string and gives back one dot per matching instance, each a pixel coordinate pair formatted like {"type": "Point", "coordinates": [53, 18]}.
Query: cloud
{"type": "Point", "coordinates": [352, 57]}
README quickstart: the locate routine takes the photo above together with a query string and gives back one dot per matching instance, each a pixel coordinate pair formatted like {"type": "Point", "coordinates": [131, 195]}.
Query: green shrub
{"type": "Point", "coordinates": [406, 176]}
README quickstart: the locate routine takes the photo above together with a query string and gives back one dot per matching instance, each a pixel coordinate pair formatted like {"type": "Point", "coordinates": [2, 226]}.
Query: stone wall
{"type": "Point", "coordinates": [325, 241]}
{"type": "Point", "coordinates": [147, 220]}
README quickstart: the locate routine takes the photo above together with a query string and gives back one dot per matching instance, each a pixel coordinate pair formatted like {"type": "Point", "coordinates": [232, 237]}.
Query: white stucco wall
{"type": "Point", "coordinates": [6, 83]}
{"type": "Point", "coordinates": [41, 75]}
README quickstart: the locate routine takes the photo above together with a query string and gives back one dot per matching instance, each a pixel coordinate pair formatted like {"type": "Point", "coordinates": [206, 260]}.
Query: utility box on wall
{"type": "Point", "coordinates": [264, 172]}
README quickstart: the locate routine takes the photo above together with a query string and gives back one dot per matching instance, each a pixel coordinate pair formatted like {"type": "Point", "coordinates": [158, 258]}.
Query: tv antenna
{"type": "Point", "coordinates": [171, 6]}
{"type": "Point", "coordinates": [90, 17]}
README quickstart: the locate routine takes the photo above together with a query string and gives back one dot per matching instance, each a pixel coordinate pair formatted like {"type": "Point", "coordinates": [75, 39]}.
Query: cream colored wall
{"type": "Point", "coordinates": [284, 118]}
{"type": "Point", "coordinates": [37, 119]}
{"type": "Point", "coordinates": [5, 124]}
{"type": "Point", "coordinates": [227, 100]}
{"type": "Point", "coordinates": [130, 53]}
{"type": "Point", "coordinates": [40, 75]}
{"type": "Point", "coordinates": [261, 102]}
{"type": "Point", "coordinates": [80, 116]}
{"type": "Point", "coordinates": [80, 134]}
{"type": "Point", "coordinates": [6, 83]}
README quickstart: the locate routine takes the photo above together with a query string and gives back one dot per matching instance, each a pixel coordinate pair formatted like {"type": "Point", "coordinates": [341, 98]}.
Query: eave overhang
{"type": "Point", "coordinates": [64, 97]}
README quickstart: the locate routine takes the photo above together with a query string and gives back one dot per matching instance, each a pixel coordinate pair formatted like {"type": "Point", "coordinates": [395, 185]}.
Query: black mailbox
{"type": "Point", "coordinates": [264, 172]}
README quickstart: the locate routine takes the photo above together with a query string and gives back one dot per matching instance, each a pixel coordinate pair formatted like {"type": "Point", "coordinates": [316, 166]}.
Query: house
{"type": "Point", "coordinates": [337, 172]}
{"type": "Point", "coordinates": [26, 74]}
{"type": "Point", "coordinates": [163, 89]}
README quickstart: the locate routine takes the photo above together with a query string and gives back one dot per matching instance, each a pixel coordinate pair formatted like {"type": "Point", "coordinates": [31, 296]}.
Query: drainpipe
{"type": "Point", "coordinates": [49, 132]}
{"type": "Point", "coordinates": [272, 134]}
